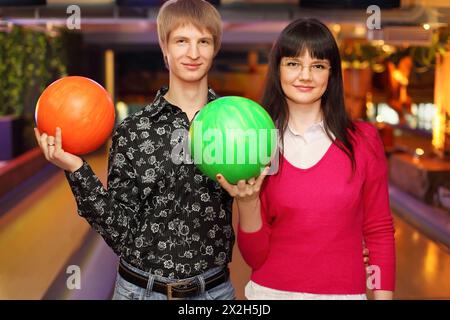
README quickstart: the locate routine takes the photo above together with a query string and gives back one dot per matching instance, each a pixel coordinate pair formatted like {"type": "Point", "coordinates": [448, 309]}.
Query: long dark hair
{"type": "Point", "coordinates": [307, 34]}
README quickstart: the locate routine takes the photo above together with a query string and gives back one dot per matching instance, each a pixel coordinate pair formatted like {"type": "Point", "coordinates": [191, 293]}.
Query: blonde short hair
{"type": "Point", "coordinates": [200, 13]}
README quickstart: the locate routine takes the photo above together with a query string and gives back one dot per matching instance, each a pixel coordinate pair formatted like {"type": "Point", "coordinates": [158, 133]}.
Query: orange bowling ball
{"type": "Point", "coordinates": [83, 110]}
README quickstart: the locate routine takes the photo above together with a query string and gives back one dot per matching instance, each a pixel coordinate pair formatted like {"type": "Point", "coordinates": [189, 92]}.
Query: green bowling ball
{"type": "Point", "coordinates": [233, 136]}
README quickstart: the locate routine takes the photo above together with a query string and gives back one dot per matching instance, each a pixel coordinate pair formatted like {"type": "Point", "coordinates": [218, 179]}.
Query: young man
{"type": "Point", "coordinates": [169, 224]}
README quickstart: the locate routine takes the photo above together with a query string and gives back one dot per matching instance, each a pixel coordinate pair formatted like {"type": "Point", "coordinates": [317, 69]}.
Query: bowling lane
{"type": "Point", "coordinates": [423, 266]}
{"type": "Point", "coordinates": [39, 234]}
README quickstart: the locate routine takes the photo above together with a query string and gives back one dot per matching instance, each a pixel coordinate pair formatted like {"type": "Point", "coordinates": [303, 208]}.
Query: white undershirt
{"type": "Point", "coordinates": [254, 291]}
{"type": "Point", "coordinates": [305, 150]}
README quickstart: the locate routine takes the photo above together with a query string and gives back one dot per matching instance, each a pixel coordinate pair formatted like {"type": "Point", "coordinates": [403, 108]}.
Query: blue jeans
{"type": "Point", "coordinates": [125, 290]}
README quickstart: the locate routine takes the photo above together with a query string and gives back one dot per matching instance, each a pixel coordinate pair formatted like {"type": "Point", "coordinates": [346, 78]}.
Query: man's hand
{"type": "Point", "coordinates": [366, 257]}
{"type": "Point", "coordinates": [51, 147]}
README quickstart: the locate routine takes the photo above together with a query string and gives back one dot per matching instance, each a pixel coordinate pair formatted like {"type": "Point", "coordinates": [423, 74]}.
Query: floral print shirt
{"type": "Point", "coordinates": [159, 212]}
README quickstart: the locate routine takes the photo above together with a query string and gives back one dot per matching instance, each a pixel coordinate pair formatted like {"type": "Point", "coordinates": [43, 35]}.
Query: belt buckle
{"type": "Point", "coordinates": [170, 286]}
{"type": "Point", "coordinates": [169, 291]}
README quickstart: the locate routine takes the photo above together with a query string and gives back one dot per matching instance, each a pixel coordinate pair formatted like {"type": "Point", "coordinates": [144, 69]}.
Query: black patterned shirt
{"type": "Point", "coordinates": [161, 216]}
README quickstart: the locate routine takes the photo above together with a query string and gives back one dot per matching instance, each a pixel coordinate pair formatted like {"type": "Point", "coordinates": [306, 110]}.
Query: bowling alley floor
{"type": "Point", "coordinates": [423, 266]}
{"type": "Point", "coordinates": [41, 230]}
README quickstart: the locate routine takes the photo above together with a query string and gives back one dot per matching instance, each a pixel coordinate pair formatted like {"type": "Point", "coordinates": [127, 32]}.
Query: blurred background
{"type": "Point", "coordinates": [396, 75]}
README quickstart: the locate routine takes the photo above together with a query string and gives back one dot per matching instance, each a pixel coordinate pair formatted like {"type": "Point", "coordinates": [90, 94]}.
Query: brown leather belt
{"type": "Point", "coordinates": [179, 289]}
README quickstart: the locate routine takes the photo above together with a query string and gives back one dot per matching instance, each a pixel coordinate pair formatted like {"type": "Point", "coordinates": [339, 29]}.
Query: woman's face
{"type": "Point", "coordinates": [304, 79]}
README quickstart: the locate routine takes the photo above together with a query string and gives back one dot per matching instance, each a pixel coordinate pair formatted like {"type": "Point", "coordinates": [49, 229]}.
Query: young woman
{"type": "Point", "coordinates": [302, 230]}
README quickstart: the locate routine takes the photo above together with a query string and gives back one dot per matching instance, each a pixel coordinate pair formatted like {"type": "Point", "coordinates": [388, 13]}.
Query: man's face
{"type": "Point", "coordinates": [189, 52]}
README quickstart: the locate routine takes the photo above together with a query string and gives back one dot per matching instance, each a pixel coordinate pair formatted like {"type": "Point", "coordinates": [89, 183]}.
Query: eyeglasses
{"type": "Point", "coordinates": [316, 69]}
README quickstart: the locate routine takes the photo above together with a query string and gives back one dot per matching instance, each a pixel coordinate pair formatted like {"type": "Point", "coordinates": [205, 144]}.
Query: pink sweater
{"type": "Point", "coordinates": [315, 221]}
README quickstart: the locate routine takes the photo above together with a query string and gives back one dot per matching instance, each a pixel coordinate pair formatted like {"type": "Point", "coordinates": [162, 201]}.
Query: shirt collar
{"type": "Point", "coordinates": [315, 131]}
{"type": "Point", "coordinates": [161, 103]}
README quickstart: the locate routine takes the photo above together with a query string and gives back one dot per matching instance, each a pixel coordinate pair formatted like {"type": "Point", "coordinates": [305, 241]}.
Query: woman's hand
{"type": "Point", "coordinates": [52, 149]}
{"type": "Point", "coordinates": [244, 191]}
{"type": "Point", "coordinates": [246, 194]}
{"type": "Point", "coordinates": [383, 295]}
